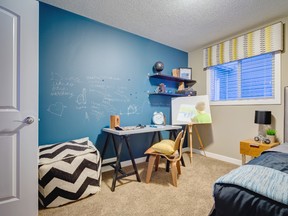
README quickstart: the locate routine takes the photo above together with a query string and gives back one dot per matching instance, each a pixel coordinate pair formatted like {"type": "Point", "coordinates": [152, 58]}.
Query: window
{"type": "Point", "coordinates": [254, 80]}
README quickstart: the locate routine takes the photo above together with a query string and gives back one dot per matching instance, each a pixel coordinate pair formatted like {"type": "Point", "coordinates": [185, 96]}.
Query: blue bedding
{"type": "Point", "coordinates": [235, 200]}
{"type": "Point", "coordinates": [274, 160]}
{"type": "Point", "coordinates": [273, 184]}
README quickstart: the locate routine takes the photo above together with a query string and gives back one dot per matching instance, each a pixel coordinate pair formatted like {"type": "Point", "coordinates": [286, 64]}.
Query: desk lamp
{"type": "Point", "coordinates": [262, 118]}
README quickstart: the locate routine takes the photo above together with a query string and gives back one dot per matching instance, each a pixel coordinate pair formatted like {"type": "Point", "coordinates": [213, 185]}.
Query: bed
{"type": "Point", "coordinates": [259, 188]}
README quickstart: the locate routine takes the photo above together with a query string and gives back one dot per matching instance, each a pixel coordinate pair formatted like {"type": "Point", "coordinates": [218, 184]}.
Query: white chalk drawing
{"type": "Point", "coordinates": [81, 107]}
{"type": "Point", "coordinates": [62, 86]}
{"type": "Point", "coordinates": [97, 110]}
{"type": "Point", "coordinates": [102, 78]}
{"type": "Point", "coordinates": [55, 76]}
{"type": "Point", "coordinates": [97, 115]}
{"type": "Point", "coordinates": [81, 98]}
{"type": "Point", "coordinates": [57, 109]}
{"type": "Point", "coordinates": [109, 100]}
{"type": "Point", "coordinates": [132, 109]}
{"type": "Point", "coordinates": [87, 116]}
{"type": "Point", "coordinates": [99, 96]}
{"type": "Point", "coordinates": [62, 93]}
{"type": "Point", "coordinates": [71, 80]}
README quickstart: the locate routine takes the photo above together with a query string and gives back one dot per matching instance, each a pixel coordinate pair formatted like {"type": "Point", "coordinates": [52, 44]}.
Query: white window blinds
{"type": "Point", "coordinates": [251, 78]}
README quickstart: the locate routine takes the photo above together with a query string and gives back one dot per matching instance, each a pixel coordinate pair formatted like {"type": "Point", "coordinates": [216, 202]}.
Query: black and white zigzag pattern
{"type": "Point", "coordinates": [68, 171]}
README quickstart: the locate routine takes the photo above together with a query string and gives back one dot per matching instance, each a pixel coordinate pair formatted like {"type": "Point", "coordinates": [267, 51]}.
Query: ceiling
{"type": "Point", "coordinates": [183, 24]}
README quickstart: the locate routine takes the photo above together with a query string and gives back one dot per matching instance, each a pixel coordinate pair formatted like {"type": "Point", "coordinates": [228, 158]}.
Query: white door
{"type": "Point", "coordinates": [18, 100]}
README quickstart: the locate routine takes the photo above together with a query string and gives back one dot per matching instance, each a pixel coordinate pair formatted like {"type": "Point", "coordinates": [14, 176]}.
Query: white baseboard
{"type": "Point", "coordinates": [197, 151]}
{"type": "Point", "coordinates": [215, 156]}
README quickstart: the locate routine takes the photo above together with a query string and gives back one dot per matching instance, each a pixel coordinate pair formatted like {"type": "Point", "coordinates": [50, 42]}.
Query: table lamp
{"type": "Point", "coordinates": [262, 118]}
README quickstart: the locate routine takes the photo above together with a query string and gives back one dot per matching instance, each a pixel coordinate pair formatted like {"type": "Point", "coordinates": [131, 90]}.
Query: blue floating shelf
{"type": "Point", "coordinates": [172, 78]}
{"type": "Point", "coordinates": [169, 94]}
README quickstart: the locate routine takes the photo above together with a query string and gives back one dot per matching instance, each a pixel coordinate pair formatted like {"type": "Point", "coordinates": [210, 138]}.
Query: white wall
{"type": "Point", "coordinates": [234, 123]}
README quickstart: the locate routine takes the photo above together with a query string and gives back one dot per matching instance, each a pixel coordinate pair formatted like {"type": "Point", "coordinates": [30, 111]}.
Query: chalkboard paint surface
{"type": "Point", "coordinates": [95, 96]}
{"type": "Point", "coordinates": [89, 71]}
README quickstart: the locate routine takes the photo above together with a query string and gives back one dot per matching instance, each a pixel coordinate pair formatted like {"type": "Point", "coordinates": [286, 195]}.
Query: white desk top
{"type": "Point", "coordinates": [147, 129]}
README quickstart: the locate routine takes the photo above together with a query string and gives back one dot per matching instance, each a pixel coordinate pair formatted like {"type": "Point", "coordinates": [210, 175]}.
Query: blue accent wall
{"type": "Point", "coordinates": [89, 71]}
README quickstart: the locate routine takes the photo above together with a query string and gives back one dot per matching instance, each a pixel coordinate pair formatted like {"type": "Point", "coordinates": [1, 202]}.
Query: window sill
{"type": "Point", "coordinates": [274, 101]}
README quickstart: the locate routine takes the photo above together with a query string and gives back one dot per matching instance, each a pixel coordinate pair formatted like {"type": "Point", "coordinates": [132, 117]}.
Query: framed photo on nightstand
{"type": "Point", "coordinates": [185, 73]}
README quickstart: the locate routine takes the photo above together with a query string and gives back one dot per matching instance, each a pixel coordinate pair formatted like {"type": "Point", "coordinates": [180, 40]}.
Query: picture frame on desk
{"type": "Point", "coordinates": [185, 73]}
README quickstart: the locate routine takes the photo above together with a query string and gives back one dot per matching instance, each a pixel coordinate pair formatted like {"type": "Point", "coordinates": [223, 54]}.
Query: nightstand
{"type": "Point", "coordinates": [253, 148]}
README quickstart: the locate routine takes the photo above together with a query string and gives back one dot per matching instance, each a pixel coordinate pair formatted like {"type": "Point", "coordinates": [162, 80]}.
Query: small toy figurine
{"type": "Point", "coordinates": [161, 88]}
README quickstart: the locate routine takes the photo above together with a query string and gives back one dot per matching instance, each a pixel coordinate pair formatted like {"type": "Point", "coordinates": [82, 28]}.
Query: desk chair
{"type": "Point", "coordinates": [173, 157]}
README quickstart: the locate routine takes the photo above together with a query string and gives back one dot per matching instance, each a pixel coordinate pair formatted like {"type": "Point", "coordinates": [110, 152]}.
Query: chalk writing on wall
{"type": "Point", "coordinates": [56, 109]}
{"type": "Point", "coordinates": [62, 86]}
{"type": "Point", "coordinates": [93, 96]}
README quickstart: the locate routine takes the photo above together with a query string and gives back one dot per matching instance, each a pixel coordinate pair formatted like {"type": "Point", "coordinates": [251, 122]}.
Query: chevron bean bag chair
{"type": "Point", "coordinates": [68, 172]}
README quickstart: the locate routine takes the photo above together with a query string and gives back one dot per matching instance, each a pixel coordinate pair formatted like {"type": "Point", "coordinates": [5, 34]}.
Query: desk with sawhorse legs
{"type": "Point", "coordinates": [119, 137]}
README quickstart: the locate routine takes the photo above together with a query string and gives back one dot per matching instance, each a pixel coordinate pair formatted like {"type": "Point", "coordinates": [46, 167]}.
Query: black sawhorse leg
{"type": "Point", "coordinates": [105, 147]}
{"type": "Point", "coordinates": [117, 167]}
{"type": "Point", "coordinates": [132, 159]}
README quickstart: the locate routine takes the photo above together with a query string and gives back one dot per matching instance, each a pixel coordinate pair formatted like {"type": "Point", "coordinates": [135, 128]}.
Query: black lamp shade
{"type": "Point", "coordinates": [262, 117]}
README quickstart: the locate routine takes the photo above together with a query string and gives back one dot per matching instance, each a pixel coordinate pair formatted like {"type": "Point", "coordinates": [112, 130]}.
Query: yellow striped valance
{"type": "Point", "coordinates": [265, 40]}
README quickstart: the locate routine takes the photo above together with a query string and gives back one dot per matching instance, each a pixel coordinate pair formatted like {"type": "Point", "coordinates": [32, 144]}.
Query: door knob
{"type": "Point", "coordinates": [29, 120]}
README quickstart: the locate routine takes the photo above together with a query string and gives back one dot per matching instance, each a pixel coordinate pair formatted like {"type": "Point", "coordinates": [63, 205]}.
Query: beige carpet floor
{"type": "Point", "coordinates": [192, 197]}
